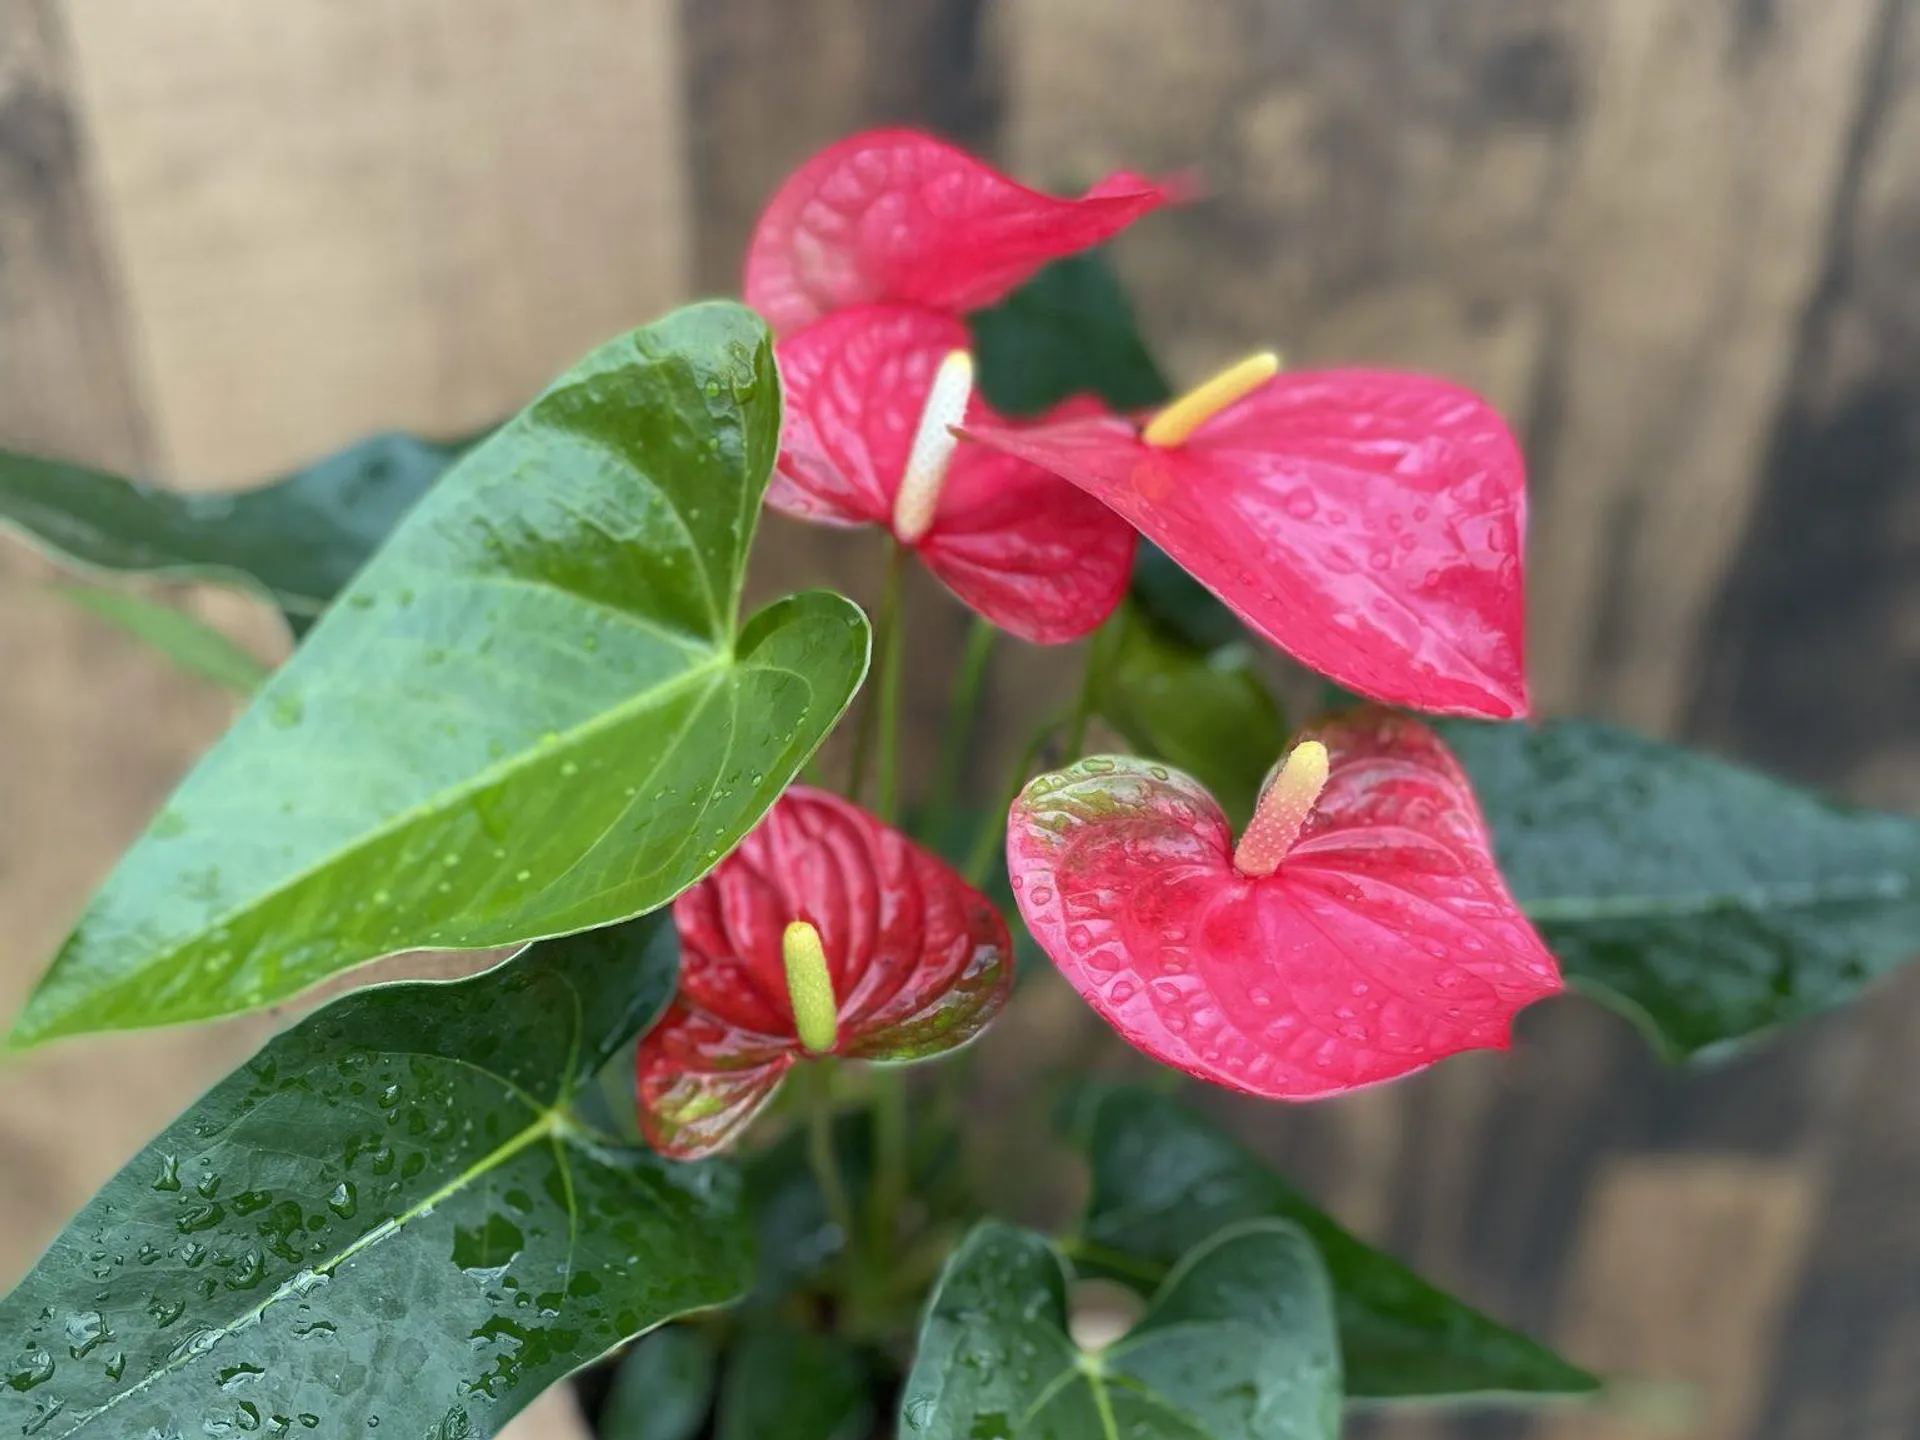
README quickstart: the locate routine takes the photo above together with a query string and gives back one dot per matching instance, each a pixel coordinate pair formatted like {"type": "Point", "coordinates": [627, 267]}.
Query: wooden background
{"type": "Point", "coordinates": [1678, 241]}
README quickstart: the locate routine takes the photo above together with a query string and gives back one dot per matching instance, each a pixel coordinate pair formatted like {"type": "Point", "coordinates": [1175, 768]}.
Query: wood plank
{"type": "Point", "coordinates": [1678, 1290]}
{"type": "Point", "coordinates": [1693, 232]}
{"type": "Point", "coordinates": [94, 730]}
{"type": "Point", "coordinates": [1816, 641]}
{"type": "Point", "coordinates": [336, 218]}
{"type": "Point", "coordinates": [65, 385]}
{"type": "Point", "coordinates": [771, 81]}
{"type": "Point", "coordinates": [1381, 179]}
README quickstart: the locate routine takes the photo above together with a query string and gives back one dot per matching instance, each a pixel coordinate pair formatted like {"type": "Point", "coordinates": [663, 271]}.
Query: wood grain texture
{"type": "Point", "coordinates": [1713, 1243]}
{"type": "Point", "coordinates": [94, 730]}
{"type": "Point", "coordinates": [336, 218]}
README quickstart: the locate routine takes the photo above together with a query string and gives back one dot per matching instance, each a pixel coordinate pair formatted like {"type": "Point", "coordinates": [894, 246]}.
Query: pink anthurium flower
{"type": "Point", "coordinates": [1358, 931]}
{"type": "Point", "coordinates": [898, 216]}
{"type": "Point", "coordinates": [1368, 523]}
{"type": "Point", "coordinates": [825, 933]}
{"type": "Point", "coordinates": [871, 396]}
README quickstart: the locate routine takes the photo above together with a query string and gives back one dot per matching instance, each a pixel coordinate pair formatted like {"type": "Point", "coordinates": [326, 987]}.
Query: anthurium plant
{"type": "Point", "coordinates": [709, 1132]}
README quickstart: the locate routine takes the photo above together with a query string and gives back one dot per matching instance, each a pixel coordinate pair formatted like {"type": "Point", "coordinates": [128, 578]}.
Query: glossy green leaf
{"type": "Point", "coordinates": [783, 1383]}
{"type": "Point", "coordinates": [193, 645]}
{"type": "Point", "coordinates": [1708, 902]}
{"type": "Point", "coordinates": [1206, 712]}
{"type": "Point", "coordinates": [663, 1388]}
{"type": "Point", "coordinates": [387, 1218]}
{"type": "Point", "coordinates": [297, 540]}
{"type": "Point", "coordinates": [1237, 1344]}
{"type": "Point", "coordinates": [1068, 331]}
{"type": "Point", "coordinates": [530, 714]}
{"type": "Point", "coordinates": [1164, 1179]}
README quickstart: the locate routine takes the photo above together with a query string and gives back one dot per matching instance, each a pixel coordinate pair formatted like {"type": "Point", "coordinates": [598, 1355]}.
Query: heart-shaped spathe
{"type": "Point", "coordinates": [918, 961]}
{"type": "Point", "coordinates": [1384, 940]}
{"type": "Point", "coordinates": [1366, 522]}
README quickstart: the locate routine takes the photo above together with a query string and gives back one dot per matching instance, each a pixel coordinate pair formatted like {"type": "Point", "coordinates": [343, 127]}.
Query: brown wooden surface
{"type": "Point", "coordinates": [1677, 240]}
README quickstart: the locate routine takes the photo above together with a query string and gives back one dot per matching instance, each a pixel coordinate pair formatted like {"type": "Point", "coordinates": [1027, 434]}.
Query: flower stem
{"type": "Point", "coordinates": [993, 827]}
{"type": "Point", "coordinates": [822, 1154]}
{"type": "Point", "coordinates": [874, 702]}
{"type": "Point", "coordinates": [1090, 666]}
{"type": "Point", "coordinates": [890, 1162]}
{"type": "Point", "coordinates": [893, 621]}
{"type": "Point", "coordinates": [962, 710]}
{"type": "Point", "coordinates": [993, 824]}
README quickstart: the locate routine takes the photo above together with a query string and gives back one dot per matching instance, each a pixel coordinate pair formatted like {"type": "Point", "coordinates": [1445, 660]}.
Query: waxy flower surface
{"type": "Point", "coordinates": [1358, 931]}
{"type": "Point", "coordinates": [864, 262]}
{"type": "Point", "coordinates": [825, 933]}
{"type": "Point", "coordinates": [871, 396]}
{"type": "Point", "coordinates": [898, 216]}
{"type": "Point", "coordinates": [1368, 523]}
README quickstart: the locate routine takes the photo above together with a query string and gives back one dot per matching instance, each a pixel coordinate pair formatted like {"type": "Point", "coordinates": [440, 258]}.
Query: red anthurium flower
{"type": "Point", "coordinates": [1358, 931]}
{"type": "Point", "coordinates": [1367, 523]}
{"type": "Point", "coordinates": [826, 932]}
{"type": "Point", "coordinates": [894, 215]}
{"type": "Point", "coordinates": [870, 395]}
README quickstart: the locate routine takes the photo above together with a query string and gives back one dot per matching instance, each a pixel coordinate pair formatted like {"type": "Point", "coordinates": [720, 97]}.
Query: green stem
{"type": "Point", "coordinates": [993, 824]}
{"type": "Point", "coordinates": [822, 1154]}
{"type": "Point", "coordinates": [962, 710]}
{"type": "Point", "coordinates": [890, 1163]}
{"type": "Point", "coordinates": [893, 621]}
{"type": "Point", "coordinates": [874, 702]}
{"type": "Point", "coordinates": [1083, 702]}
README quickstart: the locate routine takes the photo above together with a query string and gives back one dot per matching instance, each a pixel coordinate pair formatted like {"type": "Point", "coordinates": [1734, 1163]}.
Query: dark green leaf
{"type": "Point", "coordinates": [795, 1236]}
{"type": "Point", "coordinates": [1068, 331]}
{"type": "Point", "coordinates": [663, 1389]}
{"type": "Point", "coordinates": [530, 714]}
{"type": "Point", "coordinates": [386, 1218]}
{"type": "Point", "coordinates": [297, 540]}
{"type": "Point", "coordinates": [1708, 902]}
{"type": "Point", "coordinates": [1206, 712]}
{"type": "Point", "coordinates": [1164, 1179]}
{"type": "Point", "coordinates": [194, 646]}
{"type": "Point", "coordinates": [1237, 1344]}
{"type": "Point", "coordinates": [788, 1384]}
{"type": "Point", "coordinates": [1180, 605]}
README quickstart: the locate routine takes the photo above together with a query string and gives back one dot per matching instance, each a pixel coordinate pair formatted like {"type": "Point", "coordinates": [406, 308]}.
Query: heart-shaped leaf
{"type": "Point", "coordinates": [663, 1389]}
{"type": "Point", "coordinates": [1164, 1179]}
{"type": "Point", "coordinates": [1367, 523]}
{"type": "Point", "coordinates": [1383, 941]}
{"type": "Point", "coordinates": [915, 962]}
{"type": "Point", "coordinates": [784, 1383]}
{"type": "Point", "coordinates": [1068, 331]}
{"type": "Point", "coordinates": [1708, 902]}
{"type": "Point", "coordinates": [898, 216]}
{"type": "Point", "coordinates": [1237, 1344]}
{"type": "Point", "coordinates": [193, 645]}
{"type": "Point", "coordinates": [298, 540]}
{"type": "Point", "coordinates": [388, 1217]}
{"type": "Point", "coordinates": [1206, 712]}
{"type": "Point", "coordinates": [530, 714]}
